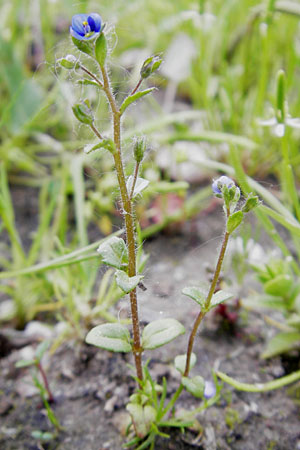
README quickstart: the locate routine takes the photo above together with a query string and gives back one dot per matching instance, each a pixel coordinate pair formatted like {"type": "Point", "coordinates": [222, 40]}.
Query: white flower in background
{"type": "Point", "coordinates": [279, 127]}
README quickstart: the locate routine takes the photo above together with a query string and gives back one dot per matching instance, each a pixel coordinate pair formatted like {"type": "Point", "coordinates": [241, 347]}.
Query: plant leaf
{"type": "Point", "coordinates": [180, 362]}
{"type": "Point", "coordinates": [279, 286]}
{"type": "Point", "coordinates": [219, 297]}
{"type": "Point", "coordinates": [25, 363]}
{"type": "Point", "coordinates": [114, 253]}
{"type": "Point", "coordinates": [126, 283]}
{"type": "Point", "coordinates": [110, 336]}
{"type": "Point", "coordinates": [133, 98]}
{"type": "Point", "coordinates": [140, 185]}
{"type": "Point", "coordinates": [197, 293]}
{"type": "Point", "coordinates": [160, 332]}
{"type": "Point", "coordinates": [282, 343]}
{"type": "Point", "coordinates": [234, 221]}
{"type": "Point", "coordinates": [107, 144]}
{"type": "Point", "coordinates": [194, 386]}
{"type": "Point", "coordinates": [41, 349]}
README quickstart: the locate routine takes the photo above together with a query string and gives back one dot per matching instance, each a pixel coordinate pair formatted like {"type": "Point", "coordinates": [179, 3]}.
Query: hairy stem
{"type": "Point", "coordinates": [198, 321]}
{"type": "Point", "coordinates": [207, 303]}
{"type": "Point", "coordinates": [90, 74]}
{"type": "Point", "coordinates": [136, 172]}
{"type": "Point", "coordinates": [129, 221]}
{"type": "Point", "coordinates": [136, 88]}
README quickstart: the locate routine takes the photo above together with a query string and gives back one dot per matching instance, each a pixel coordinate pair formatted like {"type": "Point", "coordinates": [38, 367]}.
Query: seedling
{"type": "Point", "coordinates": [44, 387]}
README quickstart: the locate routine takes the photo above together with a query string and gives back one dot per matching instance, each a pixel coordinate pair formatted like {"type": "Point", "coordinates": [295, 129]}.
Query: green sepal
{"type": "Point", "coordinates": [161, 332]}
{"type": "Point", "coordinates": [83, 113]}
{"type": "Point", "coordinates": [114, 253]}
{"type": "Point", "coordinates": [180, 362]}
{"type": "Point", "coordinates": [84, 46]}
{"type": "Point", "coordinates": [110, 336]}
{"type": "Point", "coordinates": [101, 49]}
{"type": "Point", "coordinates": [234, 220]}
{"type": "Point", "coordinates": [106, 144]}
{"type": "Point", "coordinates": [126, 283]}
{"type": "Point", "coordinates": [194, 386]}
{"type": "Point", "coordinates": [133, 98]}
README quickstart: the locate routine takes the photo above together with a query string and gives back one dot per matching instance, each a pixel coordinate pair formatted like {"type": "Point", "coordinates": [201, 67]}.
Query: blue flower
{"type": "Point", "coordinates": [209, 390]}
{"type": "Point", "coordinates": [85, 26]}
{"type": "Point", "coordinates": [220, 182]}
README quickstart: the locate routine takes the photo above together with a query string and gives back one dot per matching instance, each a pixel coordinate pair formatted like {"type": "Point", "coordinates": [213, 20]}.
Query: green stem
{"type": "Point", "coordinates": [198, 321]}
{"type": "Point", "coordinates": [260, 387]}
{"type": "Point", "coordinates": [129, 221]}
{"type": "Point", "coordinates": [92, 76]}
{"type": "Point", "coordinates": [203, 312]}
{"type": "Point", "coordinates": [136, 172]}
{"type": "Point", "coordinates": [136, 88]}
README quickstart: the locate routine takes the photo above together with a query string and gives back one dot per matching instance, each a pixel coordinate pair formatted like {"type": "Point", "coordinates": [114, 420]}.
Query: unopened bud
{"type": "Point", "coordinates": [69, 62]}
{"type": "Point", "coordinates": [218, 185]}
{"type": "Point", "coordinates": [150, 65]}
{"type": "Point", "coordinates": [83, 113]}
{"type": "Point", "coordinates": [139, 149]}
{"type": "Point", "coordinates": [251, 202]}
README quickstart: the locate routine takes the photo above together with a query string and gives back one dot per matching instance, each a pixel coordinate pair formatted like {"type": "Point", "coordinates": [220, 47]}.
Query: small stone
{"type": "Point", "coordinates": [38, 330]}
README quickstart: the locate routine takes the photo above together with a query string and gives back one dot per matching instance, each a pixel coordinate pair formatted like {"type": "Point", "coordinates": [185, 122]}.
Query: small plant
{"type": "Point", "coordinates": [43, 387]}
{"type": "Point", "coordinates": [149, 407]}
{"type": "Point", "coordinates": [281, 292]}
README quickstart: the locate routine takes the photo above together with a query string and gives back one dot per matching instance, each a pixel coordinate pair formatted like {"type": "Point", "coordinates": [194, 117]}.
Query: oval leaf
{"type": "Point", "coordinates": [101, 49]}
{"type": "Point", "coordinates": [194, 386]}
{"type": "Point", "coordinates": [126, 283]}
{"type": "Point", "coordinates": [140, 185]}
{"type": "Point", "coordinates": [197, 293]}
{"type": "Point", "coordinates": [114, 253]}
{"type": "Point", "coordinates": [180, 362]}
{"type": "Point", "coordinates": [234, 221]}
{"type": "Point", "coordinates": [219, 297]}
{"type": "Point", "coordinates": [161, 332]}
{"type": "Point", "coordinates": [110, 336]}
{"type": "Point", "coordinates": [132, 98]}
{"type": "Point", "coordinates": [25, 363]}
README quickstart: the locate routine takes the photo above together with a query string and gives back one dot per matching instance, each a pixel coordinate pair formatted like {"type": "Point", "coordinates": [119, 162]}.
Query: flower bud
{"type": "Point", "coordinates": [251, 202]}
{"type": "Point", "coordinates": [218, 185]}
{"type": "Point", "coordinates": [139, 149]}
{"type": "Point", "coordinates": [150, 65]}
{"type": "Point", "coordinates": [83, 113]}
{"type": "Point", "coordinates": [69, 62]}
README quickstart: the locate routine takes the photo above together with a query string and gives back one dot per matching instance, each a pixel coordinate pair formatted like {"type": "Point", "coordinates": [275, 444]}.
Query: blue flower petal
{"type": "Point", "coordinates": [95, 22]}
{"type": "Point", "coordinates": [76, 35]}
{"type": "Point", "coordinates": [77, 23]}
